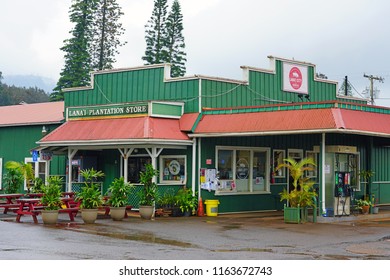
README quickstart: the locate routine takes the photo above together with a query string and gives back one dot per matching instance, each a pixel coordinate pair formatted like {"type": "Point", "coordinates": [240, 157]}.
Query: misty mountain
{"type": "Point", "coordinates": [28, 81]}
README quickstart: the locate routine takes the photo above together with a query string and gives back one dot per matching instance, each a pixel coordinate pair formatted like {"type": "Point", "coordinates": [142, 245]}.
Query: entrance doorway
{"type": "Point", "coordinates": [297, 155]}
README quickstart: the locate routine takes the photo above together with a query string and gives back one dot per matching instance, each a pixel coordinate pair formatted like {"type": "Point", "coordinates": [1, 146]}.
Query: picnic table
{"type": "Point", "coordinates": [28, 206]}
{"type": "Point", "coordinates": [10, 202]}
{"type": "Point", "coordinates": [33, 207]}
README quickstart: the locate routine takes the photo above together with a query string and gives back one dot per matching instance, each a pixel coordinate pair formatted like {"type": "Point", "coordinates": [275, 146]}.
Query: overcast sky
{"type": "Point", "coordinates": [342, 37]}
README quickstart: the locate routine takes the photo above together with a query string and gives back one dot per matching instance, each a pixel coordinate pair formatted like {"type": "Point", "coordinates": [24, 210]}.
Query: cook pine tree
{"type": "Point", "coordinates": [77, 58]}
{"type": "Point", "coordinates": [156, 34]}
{"type": "Point", "coordinates": [164, 39]}
{"type": "Point", "coordinates": [93, 45]}
{"type": "Point", "coordinates": [106, 33]}
{"type": "Point", "coordinates": [175, 41]}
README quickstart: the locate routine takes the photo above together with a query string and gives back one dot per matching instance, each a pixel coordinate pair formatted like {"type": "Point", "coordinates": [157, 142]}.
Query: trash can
{"type": "Point", "coordinates": [211, 207]}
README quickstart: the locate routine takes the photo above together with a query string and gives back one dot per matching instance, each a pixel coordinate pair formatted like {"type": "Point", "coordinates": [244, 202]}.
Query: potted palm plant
{"type": "Point", "coordinates": [118, 198]}
{"type": "Point", "coordinates": [90, 196]}
{"type": "Point", "coordinates": [302, 195]}
{"type": "Point", "coordinates": [51, 199]}
{"type": "Point", "coordinates": [148, 194]}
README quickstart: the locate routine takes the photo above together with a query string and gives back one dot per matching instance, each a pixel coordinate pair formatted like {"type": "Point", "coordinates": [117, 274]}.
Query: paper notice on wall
{"type": "Point", "coordinates": [327, 169]}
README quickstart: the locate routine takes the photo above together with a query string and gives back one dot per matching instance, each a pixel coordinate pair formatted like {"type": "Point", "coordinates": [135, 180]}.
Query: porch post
{"type": "Point", "coordinates": [322, 208]}
{"type": "Point", "coordinates": [125, 154]}
{"type": "Point", "coordinates": [71, 153]}
{"type": "Point", "coordinates": [154, 152]}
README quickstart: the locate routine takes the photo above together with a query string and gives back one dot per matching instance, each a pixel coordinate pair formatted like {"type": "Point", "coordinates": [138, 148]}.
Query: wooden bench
{"type": "Point", "coordinates": [12, 206]}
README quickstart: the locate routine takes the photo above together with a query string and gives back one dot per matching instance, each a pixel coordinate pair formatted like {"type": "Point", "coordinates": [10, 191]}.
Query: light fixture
{"type": "Point", "coordinates": [44, 130]}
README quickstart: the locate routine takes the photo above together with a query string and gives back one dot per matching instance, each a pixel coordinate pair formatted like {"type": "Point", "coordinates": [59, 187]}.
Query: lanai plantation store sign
{"type": "Point", "coordinates": [107, 111]}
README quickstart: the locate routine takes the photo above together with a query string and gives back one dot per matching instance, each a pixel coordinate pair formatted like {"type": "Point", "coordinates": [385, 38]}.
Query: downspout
{"type": "Point", "coordinates": [194, 173]}
{"type": "Point", "coordinates": [322, 198]}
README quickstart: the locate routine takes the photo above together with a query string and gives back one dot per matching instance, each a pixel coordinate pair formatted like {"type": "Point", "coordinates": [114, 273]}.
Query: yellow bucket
{"type": "Point", "coordinates": [211, 207]}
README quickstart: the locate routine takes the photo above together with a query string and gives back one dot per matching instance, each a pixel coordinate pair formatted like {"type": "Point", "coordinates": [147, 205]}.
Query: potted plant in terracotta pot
{"type": "Point", "coordinates": [90, 196]}
{"type": "Point", "coordinates": [51, 199]}
{"type": "Point", "coordinates": [148, 194]}
{"type": "Point", "coordinates": [118, 198]}
{"type": "Point", "coordinates": [363, 205]}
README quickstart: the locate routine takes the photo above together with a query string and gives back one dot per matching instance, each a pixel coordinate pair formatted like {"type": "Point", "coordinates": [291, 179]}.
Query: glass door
{"type": "Point", "coordinates": [243, 159]}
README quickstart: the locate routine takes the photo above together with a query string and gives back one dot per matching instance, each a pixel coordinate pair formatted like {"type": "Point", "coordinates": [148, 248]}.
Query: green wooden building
{"type": "Point", "coordinates": [223, 137]}
{"type": "Point", "coordinates": [21, 126]}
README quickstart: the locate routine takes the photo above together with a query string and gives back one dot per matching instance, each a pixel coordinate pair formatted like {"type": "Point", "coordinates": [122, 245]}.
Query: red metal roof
{"type": "Point", "coordinates": [30, 114]}
{"type": "Point", "coordinates": [295, 120]}
{"type": "Point", "coordinates": [187, 121]}
{"type": "Point", "coordinates": [117, 129]}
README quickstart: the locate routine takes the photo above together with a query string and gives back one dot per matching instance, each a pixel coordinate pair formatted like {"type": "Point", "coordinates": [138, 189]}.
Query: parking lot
{"type": "Point", "coordinates": [234, 236]}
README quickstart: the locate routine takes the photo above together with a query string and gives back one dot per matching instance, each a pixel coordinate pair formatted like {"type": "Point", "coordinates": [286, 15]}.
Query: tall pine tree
{"type": "Point", "coordinates": [93, 45]}
{"type": "Point", "coordinates": [77, 49]}
{"type": "Point", "coordinates": [156, 34]}
{"type": "Point", "coordinates": [175, 41]}
{"type": "Point", "coordinates": [106, 33]}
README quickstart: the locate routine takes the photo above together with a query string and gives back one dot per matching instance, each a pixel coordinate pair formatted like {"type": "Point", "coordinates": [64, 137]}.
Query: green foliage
{"type": "Point", "coordinates": [90, 195]}
{"type": "Point", "coordinates": [303, 192]}
{"type": "Point", "coordinates": [175, 41]}
{"type": "Point", "coordinates": [51, 198]}
{"type": "Point", "coordinates": [38, 185]}
{"type": "Point", "coordinates": [186, 201]}
{"type": "Point", "coordinates": [13, 180]}
{"type": "Point", "coordinates": [156, 34]}
{"type": "Point", "coordinates": [77, 56]}
{"type": "Point", "coordinates": [362, 202]}
{"type": "Point", "coordinates": [164, 38]}
{"type": "Point", "coordinates": [148, 193]}
{"type": "Point", "coordinates": [93, 43]}
{"type": "Point", "coordinates": [167, 200]}
{"type": "Point", "coordinates": [25, 169]}
{"type": "Point", "coordinates": [106, 31]}
{"type": "Point", "coordinates": [13, 95]}
{"type": "Point", "coordinates": [119, 192]}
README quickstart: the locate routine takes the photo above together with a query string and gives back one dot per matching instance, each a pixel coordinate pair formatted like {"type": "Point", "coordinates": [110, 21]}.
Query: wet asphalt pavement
{"type": "Point", "coordinates": [261, 236]}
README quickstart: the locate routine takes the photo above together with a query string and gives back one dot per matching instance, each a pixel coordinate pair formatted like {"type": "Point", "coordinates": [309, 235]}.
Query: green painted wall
{"type": "Point", "coordinates": [16, 143]}
{"type": "Point", "coordinates": [133, 86]}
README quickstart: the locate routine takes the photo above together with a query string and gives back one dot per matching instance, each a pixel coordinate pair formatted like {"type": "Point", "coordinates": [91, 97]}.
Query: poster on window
{"type": "Point", "coordinates": [295, 78]}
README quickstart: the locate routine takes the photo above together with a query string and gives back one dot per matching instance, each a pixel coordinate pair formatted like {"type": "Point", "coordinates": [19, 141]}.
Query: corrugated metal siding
{"type": "Point", "coordinates": [134, 86]}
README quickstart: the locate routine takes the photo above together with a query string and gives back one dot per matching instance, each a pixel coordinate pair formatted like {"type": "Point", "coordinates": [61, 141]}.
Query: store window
{"type": "Point", "coordinates": [313, 156]}
{"type": "Point", "coordinates": [173, 169]}
{"type": "Point", "coordinates": [137, 165]}
{"type": "Point", "coordinates": [242, 170]}
{"type": "Point", "coordinates": [278, 158]}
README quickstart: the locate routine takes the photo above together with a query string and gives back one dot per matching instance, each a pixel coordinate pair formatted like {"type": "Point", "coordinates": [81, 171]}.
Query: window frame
{"type": "Point", "coordinates": [182, 181]}
{"type": "Point", "coordinates": [252, 150]}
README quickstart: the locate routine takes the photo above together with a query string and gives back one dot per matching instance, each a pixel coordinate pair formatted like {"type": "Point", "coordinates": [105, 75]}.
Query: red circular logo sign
{"type": "Point", "coordinates": [295, 77]}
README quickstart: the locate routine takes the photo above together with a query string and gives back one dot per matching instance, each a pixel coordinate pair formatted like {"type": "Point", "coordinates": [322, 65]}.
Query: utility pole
{"type": "Point", "coordinates": [346, 86]}
{"type": "Point", "coordinates": [372, 78]}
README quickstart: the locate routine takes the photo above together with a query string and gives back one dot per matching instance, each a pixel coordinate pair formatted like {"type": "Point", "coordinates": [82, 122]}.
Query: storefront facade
{"type": "Point", "coordinates": [222, 137]}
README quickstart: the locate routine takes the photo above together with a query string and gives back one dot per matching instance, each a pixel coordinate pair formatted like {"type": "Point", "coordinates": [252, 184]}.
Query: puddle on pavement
{"type": "Point", "coordinates": [143, 237]}
{"type": "Point", "coordinates": [262, 250]}
{"type": "Point", "coordinates": [231, 226]}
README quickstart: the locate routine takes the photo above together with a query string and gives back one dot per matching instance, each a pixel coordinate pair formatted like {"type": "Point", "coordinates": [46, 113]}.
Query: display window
{"type": "Point", "coordinates": [137, 165]}
{"type": "Point", "coordinates": [278, 157]}
{"type": "Point", "coordinates": [173, 169]}
{"type": "Point", "coordinates": [313, 156]}
{"type": "Point", "coordinates": [242, 170]}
